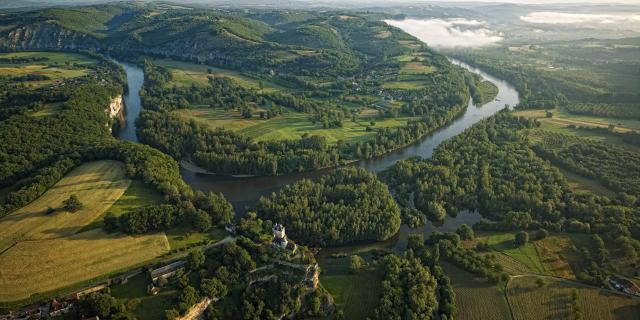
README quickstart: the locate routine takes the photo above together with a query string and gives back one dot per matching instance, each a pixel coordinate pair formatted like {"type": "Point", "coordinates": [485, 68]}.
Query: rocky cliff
{"type": "Point", "coordinates": [116, 111]}
{"type": "Point", "coordinates": [46, 36]}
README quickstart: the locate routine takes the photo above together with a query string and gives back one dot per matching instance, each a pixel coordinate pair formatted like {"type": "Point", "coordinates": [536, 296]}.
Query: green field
{"type": "Point", "coordinates": [138, 194]}
{"type": "Point", "coordinates": [41, 266]}
{"type": "Point", "coordinates": [416, 68]}
{"type": "Point", "coordinates": [404, 85]}
{"type": "Point", "coordinates": [291, 125]}
{"type": "Point", "coordinates": [43, 252]}
{"type": "Point", "coordinates": [182, 237]}
{"type": "Point", "coordinates": [527, 255]}
{"type": "Point", "coordinates": [559, 253]}
{"type": "Point", "coordinates": [568, 124]}
{"type": "Point", "coordinates": [97, 184]}
{"type": "Point", "coordinates": [150, 307]}
{"type": "Point", "coordinates": [356, 294]}
{"type": "Point", "coordinates": [563, 118]}
{"type": "Point", "coordinates": [552, 301]}
{"type": "Point", "coordinates": [57, 67]}
{"type": "Point", "coordinates": [186, 74]}
{"type": "Point", "coordinates": [476, 298]}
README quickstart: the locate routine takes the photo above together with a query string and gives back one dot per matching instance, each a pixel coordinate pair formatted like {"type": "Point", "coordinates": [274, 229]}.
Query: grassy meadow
{"type": "Point", "coordinates": [570, 125]}
{"type": "Point", "coordinates": [57, 67]}
{"type": "Point", "coordinates": [526, 255]}
{"type": "Point", "coordinates": [291, 125]}
{"type": "Point", "coordinates": [357, 293]}
{"type": "Point", "coordinates": [185, 74]}
{"type": "Point", "coordinates": [97, 184]}
{"type": "Point", "coordinates": [150, 307]}
{"type": "Point", "coordinates": [43, 252]}
{"type": "Point", "coordinates": [563, 118]}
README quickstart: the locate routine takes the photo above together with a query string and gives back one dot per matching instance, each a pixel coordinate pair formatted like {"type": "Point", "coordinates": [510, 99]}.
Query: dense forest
{"type": "Point", "coordinates": [345, 206]}
{"type": "Point", "coordinates": [409, 290]}
{"type": "Point", "coordinates": [38, 151]}
{"type": "Point", "coordinates": [614, 166]}
{"type": "Point", "coordinates": [492, 168]}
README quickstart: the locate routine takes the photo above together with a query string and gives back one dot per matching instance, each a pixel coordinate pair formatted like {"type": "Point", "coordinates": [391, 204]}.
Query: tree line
{"type": "Point", "coordinates": [348, 205]}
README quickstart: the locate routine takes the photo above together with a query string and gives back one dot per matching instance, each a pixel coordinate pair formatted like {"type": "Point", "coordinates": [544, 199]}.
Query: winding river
{"type": "Point", "coordinates": [245, 192]}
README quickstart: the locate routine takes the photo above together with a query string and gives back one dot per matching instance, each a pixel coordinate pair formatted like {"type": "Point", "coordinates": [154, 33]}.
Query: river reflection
{"type": "Point", "coordinates": [135, 78]}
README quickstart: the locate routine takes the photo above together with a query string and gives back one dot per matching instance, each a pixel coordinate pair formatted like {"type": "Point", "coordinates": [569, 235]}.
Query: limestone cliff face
{"type": "Point", "coordinates": [116, 111]}
{"type": "Point", "coordinates": [46, 36]}
{"type": "Point", "coordinates": [116, 106]}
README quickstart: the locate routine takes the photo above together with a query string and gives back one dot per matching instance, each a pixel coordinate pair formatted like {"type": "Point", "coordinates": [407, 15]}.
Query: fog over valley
{"type": "Point", "coordinates": [449, 33]}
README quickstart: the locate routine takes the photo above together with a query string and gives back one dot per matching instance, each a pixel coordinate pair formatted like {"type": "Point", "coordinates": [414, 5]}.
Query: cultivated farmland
{"type": "Point", "coordinates": [97, 184]}
{"type": "Point", "coordinates": [53, 67]}
{"type": "Point", "coordinates": [45, 265]}
{"type": "Point", "coordinates": [479, 299]}
{"type": "Point", "coordinates": [553, 301]}
{"type": "Point", "coordinates": [43, 250]}
{"type": "Point", "coordinates": [291, 125]}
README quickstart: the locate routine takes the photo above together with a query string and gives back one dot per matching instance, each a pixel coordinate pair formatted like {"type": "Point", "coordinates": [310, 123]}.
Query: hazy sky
{"type": "Point", "coordinates": [521, 1]}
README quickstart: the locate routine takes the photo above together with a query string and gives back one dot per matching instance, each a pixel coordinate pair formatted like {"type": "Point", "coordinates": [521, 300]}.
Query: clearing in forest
{"type": "Point", "coordinates": [357, 294]}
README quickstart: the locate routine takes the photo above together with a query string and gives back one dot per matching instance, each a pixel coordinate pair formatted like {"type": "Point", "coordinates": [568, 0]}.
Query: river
{"type": "Point", "coordinates": [245, 192]}
{"type": "Point", "coordinates": [135, 78]}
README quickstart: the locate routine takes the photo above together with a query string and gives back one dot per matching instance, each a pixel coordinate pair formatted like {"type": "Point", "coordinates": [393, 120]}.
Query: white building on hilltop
{"type": "Point", "coordinates": [280, 239]}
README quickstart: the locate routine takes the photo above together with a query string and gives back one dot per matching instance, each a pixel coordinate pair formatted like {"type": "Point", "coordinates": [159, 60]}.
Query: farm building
{"type": "Point", "coordinates": [84, 292]}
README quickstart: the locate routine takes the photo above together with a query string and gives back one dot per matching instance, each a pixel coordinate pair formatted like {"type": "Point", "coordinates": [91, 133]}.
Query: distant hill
{"type": "Point", "coordinates": [303, 42]}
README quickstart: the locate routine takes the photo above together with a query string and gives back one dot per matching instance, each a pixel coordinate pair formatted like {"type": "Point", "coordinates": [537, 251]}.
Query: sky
{"type": "Point", "coordinates": [517, 1]}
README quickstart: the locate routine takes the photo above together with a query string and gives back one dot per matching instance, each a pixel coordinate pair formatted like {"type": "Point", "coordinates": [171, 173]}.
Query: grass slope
{"type": "Point", "coordinates": [186, 74]}
{"type": "Point", "coordinates": [150, 307]}
{"type": "Point", "coordinates": [43, 253]}
{"type": "Point", "coordinates": [357, 294]}
{"type": "Point", "coordinates": [97, 184]}
{"type": "Point", "coordinates": [526, 254]}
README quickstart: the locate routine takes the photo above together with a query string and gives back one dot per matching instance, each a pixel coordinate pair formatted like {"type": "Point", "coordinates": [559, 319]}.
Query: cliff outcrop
{"type": "Point", "coordinates": [46, 36]}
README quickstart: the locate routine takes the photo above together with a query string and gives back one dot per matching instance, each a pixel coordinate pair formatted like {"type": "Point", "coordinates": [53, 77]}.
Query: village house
{"type": "Point", "coordinates": [58, 308]}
